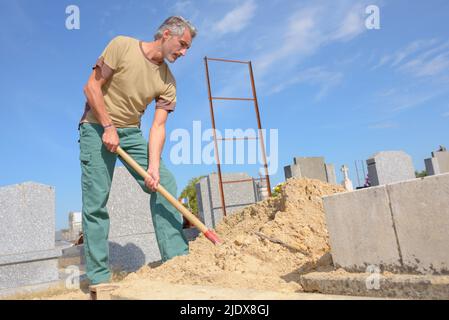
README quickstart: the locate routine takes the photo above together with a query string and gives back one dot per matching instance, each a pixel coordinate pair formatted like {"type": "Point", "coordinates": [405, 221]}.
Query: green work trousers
{"type": "Point", "coordinates": [97, 169]}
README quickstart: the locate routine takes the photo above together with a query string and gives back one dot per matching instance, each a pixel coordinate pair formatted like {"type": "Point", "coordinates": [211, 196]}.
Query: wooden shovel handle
{"type": "Point", "coordinates": [186, 213]}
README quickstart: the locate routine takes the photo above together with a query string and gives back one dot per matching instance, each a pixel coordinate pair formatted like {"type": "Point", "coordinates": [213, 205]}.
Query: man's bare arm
{"type": "Point", "coordinates": [155, 145]}
{"type": "Point", "coordinates": [95, 99]}
{"type": "Point", "coordinates": [94, 96]}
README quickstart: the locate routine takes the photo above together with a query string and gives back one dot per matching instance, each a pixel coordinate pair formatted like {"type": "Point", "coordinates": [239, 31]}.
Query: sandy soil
{"type": "Point", "coordinates": [247, 258]}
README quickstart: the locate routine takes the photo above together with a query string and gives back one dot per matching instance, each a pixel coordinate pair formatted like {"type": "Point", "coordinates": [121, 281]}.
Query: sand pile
{"type": "Point", "coordinates": [266, 245]}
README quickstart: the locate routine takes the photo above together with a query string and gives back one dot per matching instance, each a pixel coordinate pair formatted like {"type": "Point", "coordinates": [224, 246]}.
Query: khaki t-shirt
{"type": "Point", "coordinates": [134, 81]}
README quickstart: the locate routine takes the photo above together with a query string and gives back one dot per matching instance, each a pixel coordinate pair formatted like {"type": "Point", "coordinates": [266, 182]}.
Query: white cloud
{"type": "Point", "coordinates": [181, 5]}
{"type": "Point", "coordinates": [397, 57]}
{"type": "Point", "coordinates": [426, 63]}
{"type": "Point", "coordinates": [421, 58]}
{"type": "Point", "coordinates": [420, 67]}
{"type": "Point", "coordinates": [408, 96]}
{"type": "Point", "coordinates": [185, 8]}
{"type": "Point", "coordinates": [407, 100]}
{"type": "Point", "coordinates": [317, 76]}
{"type": "Point", "coordinates": [302, 38]}
{"type": "Point", "coordinates": [435, 50]}
{"type": "Point", "coordinates": [388, 92]}
{"type": "Point", "coordinates": [352, 26]}
{"type": "Point", "coordinates": [278, 50]}
{"type": "Point", "coordinates": [311, 28]}
{"type": "Point", "coordinates": [410, 49]}
{"type": "Point", "coordinates": [237, 19]}
{"type": "Point", "coordinates": [383, 125]}
{"type": "Point", "coordinates": [446, 114]}
{"type": "Point", "coordinates": [384, 60]}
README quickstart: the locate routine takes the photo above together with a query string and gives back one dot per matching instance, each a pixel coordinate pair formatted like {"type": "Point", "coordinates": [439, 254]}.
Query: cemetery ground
{"type": "Point", "coordinates": [280, 248]}
{"type": "Point", "coordinates": [246, 266]}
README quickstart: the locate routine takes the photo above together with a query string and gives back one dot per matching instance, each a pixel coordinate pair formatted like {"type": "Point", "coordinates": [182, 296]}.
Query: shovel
{"type": "Point", "coordinates": [209, 234]}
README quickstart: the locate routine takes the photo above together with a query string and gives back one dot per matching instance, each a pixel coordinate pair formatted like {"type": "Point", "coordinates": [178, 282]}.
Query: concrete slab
{"type": "Point", "coordinates": [390, 166]}
{"type": "Point", "coordinates": [330, 173]}
{"type": "Point", "coordinates": [28, 273]}
{"type": "Point", "coordinates": [128, 206]}
{"type": "Point", "coordinates": [292, 171]}
{"type": "Point", "coordinates": [27, 218]}
{"type": "Point", "coordinates": [399, 286]}
{"type": "Point", "coordinates": [129, 253]}
{"type": "Point", "coordinates": [432, 166]}
{"type": "Point", "coordinates": [158, 290]}
{"type": "Point", "coordinates": [312, 167]}
{"type": "Point", "coordinates": [30, 256]}
{"type": "Point", "coordinates": [421, 214]}
{"type": "Point", "coordinates": [11, 293]}
{"type": "Point", "coordinates": [27, 235]}
{"type": "Point", "coordinates": [204, 203]}
{"type": "Point", "coordinates": [237, 196]}
{"type": "Point", "coordinates": [442, 158]}
{"type": "Point", "coordinates": [361, 230]}
{"type": "Point", "coordinates": [126, 253]}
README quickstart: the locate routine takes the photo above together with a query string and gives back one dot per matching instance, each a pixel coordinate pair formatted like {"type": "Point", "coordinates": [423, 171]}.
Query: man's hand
{"type": "Point", "coordinates": [152, 182]}
{"type": "Point", "coordinates": [111, 139]}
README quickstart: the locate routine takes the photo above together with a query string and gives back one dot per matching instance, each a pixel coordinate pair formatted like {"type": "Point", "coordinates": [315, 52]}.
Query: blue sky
{"type": "Point", "coordinates": [330, 86]}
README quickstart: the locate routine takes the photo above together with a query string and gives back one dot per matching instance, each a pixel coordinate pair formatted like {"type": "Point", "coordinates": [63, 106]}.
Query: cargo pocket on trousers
{"type": "Point", "coordinates": [85, 157]}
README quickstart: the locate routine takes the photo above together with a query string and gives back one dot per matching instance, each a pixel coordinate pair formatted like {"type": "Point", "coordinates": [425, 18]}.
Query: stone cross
{"type": "Point", "coordinates": [347, 183]}
{"type": "Point", "coordinates": [345, 170]}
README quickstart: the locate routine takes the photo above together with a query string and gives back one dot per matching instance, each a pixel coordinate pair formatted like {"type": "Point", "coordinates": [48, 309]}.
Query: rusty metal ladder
{"type": "Point", "coordinates": [259, 137]}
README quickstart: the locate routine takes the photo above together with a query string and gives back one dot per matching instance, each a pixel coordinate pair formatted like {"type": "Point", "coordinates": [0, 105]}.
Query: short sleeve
{"type": "Point", "coordinates": [110, 58]}
{"type": "Point", "coordinates": [167, 100]}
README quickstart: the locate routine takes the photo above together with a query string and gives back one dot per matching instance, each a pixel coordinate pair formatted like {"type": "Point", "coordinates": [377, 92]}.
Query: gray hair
{"type": "Point", "coordinates": [177, 25]}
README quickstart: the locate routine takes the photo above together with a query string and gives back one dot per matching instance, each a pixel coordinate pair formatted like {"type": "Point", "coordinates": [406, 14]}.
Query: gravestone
{"type": "Point", "coordinates": [262, 191]}
{"type": "Point", "coordinates": [237, 196]}
{"type": "Point", "coordinates": [390, 166]}
{"type": "Point", "coordinates": [312, 168]}
{"type": "Point", "coordinates": [347, 183]}
{"type": "Point", "coordinates": [292, 171]}
{"type": "Point", "coordinates": [132, 241]}
{"type": "Point", "coordinates": [438, 163]}
{"type": "Point", "coordinates": [330, 173]}
{"type": "Point", "coordinates": [28, 255]}
{"type": "Point", "coordinates": [399, 227]}
{"type": "Point", "coordinates": [432, 167]}
{"type": "Point", "coordinates": [75, 225]}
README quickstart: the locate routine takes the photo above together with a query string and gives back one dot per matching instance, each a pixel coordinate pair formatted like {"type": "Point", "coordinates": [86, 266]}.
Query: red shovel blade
{"type": "Point", "coordinates": [212, 237]}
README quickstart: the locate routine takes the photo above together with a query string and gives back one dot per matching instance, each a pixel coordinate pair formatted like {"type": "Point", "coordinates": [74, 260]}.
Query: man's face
{"type": "Point", "coordinates": [175, 46]}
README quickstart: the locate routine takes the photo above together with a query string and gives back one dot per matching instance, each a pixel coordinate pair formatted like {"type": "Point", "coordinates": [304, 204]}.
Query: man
{"type": "Point", "coordinates": [128, 76]}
